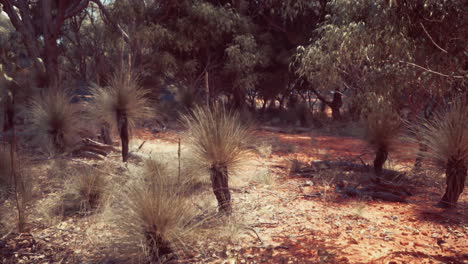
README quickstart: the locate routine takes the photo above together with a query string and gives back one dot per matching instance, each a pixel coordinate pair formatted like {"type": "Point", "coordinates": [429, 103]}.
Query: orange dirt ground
{"type": "Point", "coordinates": [292, 228]}
{"type": "Point", "coordinates": [283, 221]}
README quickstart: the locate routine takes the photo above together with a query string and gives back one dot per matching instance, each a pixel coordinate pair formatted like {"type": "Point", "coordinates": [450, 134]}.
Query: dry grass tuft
{"type": "Point", "coordinates": [158, 212]}
{"type": "Point", "coordinates": [295, 165]}
{"type": "Point", "coordinates": [84, 192]}
{"type": "Point", "coordinates": [382, 124]}
{"type": "Point", "coordinates": [445, 135]}
{"type": "Point", "coordinates": [90, 185]}
{"type": "Point", "coordinates": [54, 121]}
{"type": "Point", "coordinates": [123, 95]}
{"type": "Point", "coordinates": [218, 136]}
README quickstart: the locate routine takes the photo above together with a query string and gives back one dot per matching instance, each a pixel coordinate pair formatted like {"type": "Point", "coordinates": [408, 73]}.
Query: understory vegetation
{"type": "Point", "coordinates": [215, 103]}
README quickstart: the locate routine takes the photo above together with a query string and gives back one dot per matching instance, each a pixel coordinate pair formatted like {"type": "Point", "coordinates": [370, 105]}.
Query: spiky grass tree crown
{"type": "Point", "coordinates": [54, 120]}
{"type": "Point", "coordinates": [123, 95]}
{"type": "Point", "coordinates": [217, 135]}
{"type": "Point", "coordinates": [446, 134]}
{"type": "Point", "coordinates": [382, 123]}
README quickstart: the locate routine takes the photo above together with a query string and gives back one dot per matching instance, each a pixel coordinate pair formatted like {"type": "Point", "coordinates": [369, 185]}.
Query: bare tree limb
{"type": "Point", "coordinates": [429, 36]}
{"type": "Point", "coordinates": [434, 72]}
{"type": "Point", "coordinates": [111, 21]}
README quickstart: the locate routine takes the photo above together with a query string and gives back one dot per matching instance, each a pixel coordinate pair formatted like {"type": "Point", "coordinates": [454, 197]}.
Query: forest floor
{"type": "Point", "coordinates": [281, 215]}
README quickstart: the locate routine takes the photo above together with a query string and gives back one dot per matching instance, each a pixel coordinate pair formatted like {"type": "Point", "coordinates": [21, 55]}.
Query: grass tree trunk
{"type": "Point", "coordinates": [220, 184]}
{"type": "Point", "coordinates": [157, 246]}
{"type": "Point", "coordinates": [380, 158]}
{"type": "Point", "coordinates": [419, 159]}
{"type": "Point", "coordinates": [124, 135]}
{"type": "Point", "coordinates": [105, 134]}
{"type": "Point", "coordinates": [455, 174]}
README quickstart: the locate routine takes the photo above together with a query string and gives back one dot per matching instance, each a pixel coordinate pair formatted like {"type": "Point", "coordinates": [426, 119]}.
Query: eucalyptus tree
{"type": "Point", "coordinates": [403, 50]}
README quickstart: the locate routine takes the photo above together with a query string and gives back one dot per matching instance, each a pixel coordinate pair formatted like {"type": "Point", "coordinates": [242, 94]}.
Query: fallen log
{"type": "Point", "coordinates": [372, 191]}
{"type": "Point", "coordinates": [90, 149]}
{"type": "Point", "coordinates": [88, 155]}
{"type": "Point", "coordinates": [98, 145]}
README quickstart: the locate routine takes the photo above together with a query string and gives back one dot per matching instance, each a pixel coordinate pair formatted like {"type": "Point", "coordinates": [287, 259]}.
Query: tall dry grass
{"type": "Point", "coordinates": [54, 121]}
{"type": "Point", "coordinates": [217, 136]}
{"type": "Point", "coordinates": [122, 95]}
{"type": "Point", "coordinates": [121, 104]}
{"type": "Point", "coordinates": [219, 140]}
{"type": "Point", "coordinates": [445, 136]}
{"type": "Point", "coordinates": [159, 213]}
{"type": "Point", "coordinates": [382, 127]}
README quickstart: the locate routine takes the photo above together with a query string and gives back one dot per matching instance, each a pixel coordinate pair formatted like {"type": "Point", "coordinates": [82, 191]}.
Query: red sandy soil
{"type": "Point", "coordinates": [288, 227]}
{"type": "Point", "coordinates": [285, 223]}
{"type": "Point", "coordinates": [333, 229]}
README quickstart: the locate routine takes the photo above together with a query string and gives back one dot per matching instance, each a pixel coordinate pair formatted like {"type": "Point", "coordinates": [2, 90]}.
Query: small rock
{"type": "Point", "coordinates": [308, 183]}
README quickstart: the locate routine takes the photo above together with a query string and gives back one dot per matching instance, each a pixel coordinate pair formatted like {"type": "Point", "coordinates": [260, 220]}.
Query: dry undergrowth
{"type": "Point", "coordinates": [84, 190]}
{"type": "Point", "coordinates": [54, 121]}
{"type": "Point", "coordinates": [160, 211]}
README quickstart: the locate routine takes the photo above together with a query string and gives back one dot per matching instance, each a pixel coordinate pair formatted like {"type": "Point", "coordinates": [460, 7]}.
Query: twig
{"type": "Point", "coordinates": [141, 145]}
{"type": "Point", "coordinates": [427, 33]}
{"type": "Point", "coordinates": [303, 235]}
{"type": "Point", "coordinates": [255, 231]}
{"type": "Point", "coordinates": [434, 72]}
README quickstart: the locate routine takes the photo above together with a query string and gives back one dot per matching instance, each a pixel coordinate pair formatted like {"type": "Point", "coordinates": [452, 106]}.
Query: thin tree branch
{"type": "Point", "coordinates": [429, 36]}
{"type": "Point", "coordinates": [116, 26]}
{"type": "Point", "coordinates": [434, 72]}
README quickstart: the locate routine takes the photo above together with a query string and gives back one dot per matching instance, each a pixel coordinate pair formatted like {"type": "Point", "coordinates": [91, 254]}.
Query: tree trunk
{"type": "Point", "coordinates": [124, 135]}
{"type": "Point", "coordinates": [380, 158]}
{"type": "Point", "coordinates": [335, 106]}
{"type": "Point", "coordinates": [8, 114]}
{"type": "Point", "coordinates": [238, 99]}
{"type": "Point", "coordinates": [157, 245]}
{"type": "Point", "coordinates": [105, 134]}
{"type": "Point", "coordinates": [220, 184]}
{"type": "Point", "coordinates": [455, 174]}
{"type": "Point", "coordinates": [51, 61]}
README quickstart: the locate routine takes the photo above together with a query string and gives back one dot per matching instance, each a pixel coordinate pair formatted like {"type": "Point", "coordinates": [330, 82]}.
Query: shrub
{"type": "Point", "coordinates": [54, 121]}
{"type": "Point", "coordinates": [84, 192]}
{"type": "Point", "coordinates": [219, 140]}
{"type": "Point", "coordinates": [382, 127]}
{"type": "Point", "coordinates": [90, 186]}
{"type": "Point", "coordinates": [445, 137]}
{"type": "Point", "coordinates": [121, 104]}
{"type": "Point", "coordinates": [158, 211]}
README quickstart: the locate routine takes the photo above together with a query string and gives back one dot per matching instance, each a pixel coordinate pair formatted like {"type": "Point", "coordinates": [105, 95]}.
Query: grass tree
{"type": "Point", "coordinates": [121, 104]}
{"type": "Point", "coordinates": [158, 211]}
{"type": "Point", "coordinates": [382, 126]}
{"type": "Point", "coordinates": [445, 136]}
{"type": "Point", "coordinates": [54, 120]}
{"type": "Point", "coordinates": [219, 140]}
